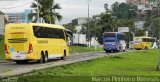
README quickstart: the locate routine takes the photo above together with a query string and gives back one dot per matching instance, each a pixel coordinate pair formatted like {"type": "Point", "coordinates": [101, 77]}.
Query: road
{"type": "Point", "coordinates": [12, 69]}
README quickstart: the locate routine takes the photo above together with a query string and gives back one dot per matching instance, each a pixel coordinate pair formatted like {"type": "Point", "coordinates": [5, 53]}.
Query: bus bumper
{"type": "Point", "coordinates": [27, 57]}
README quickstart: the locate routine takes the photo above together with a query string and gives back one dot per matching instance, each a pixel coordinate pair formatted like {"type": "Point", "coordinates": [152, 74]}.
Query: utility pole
{"type": "Point", "coordinates": [158, 5]}
{"type": "Point", "coordinates": [37, 11]}
{"type": "Point", "coordinates": [89, 24]}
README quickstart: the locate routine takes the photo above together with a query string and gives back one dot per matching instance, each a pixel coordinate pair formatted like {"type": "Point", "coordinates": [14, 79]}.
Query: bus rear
{"type": "Point", "coordinates": [138, 43]}
{"type": "Point", "coordinates": [17, 38]}
{"type": "Point", "coordinates": [143, 43]}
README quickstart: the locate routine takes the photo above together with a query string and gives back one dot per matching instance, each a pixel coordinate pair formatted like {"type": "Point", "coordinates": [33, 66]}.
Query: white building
{"type": "Point", "coordinates": [139, 24]}
{"type": "Point", "coordinates": [2, 22]}
{"type": "Point", "coordinates": [81, 20]}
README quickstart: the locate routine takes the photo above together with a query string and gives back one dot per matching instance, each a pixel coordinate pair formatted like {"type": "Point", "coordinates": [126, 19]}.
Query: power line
{"type": "Point", "coordinates": [17, 6]}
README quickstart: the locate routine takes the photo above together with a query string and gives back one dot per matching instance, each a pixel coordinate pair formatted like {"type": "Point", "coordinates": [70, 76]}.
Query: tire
{"type": "Point", "coordinates": [64, 56]}
{"type": "Point", "coordinates": [107, 51]}
{"type": "Point", "coordinates": [146, 48]}
{"type": "Point", "coordinates": [42, 58]}
{"type": "Point", "coordinates": [115, 51]}
{"type": "Point", "coordinates": [46, 57]}
{"type": "Point", "coordinates": [119, 50]}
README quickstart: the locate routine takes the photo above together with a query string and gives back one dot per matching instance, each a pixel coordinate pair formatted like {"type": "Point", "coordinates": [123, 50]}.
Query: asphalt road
{"type": "Point", "coordinates": [12, 69]}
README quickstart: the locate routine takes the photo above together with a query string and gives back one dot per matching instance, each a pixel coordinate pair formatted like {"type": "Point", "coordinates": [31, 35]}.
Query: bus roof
{"type": "Point", "coordinates": [39, 24]}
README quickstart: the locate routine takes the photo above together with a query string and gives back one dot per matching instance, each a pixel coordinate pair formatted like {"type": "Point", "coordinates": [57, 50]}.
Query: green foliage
{"type": "Point", "coordinates": [94, 29]}
{"type": "Point", "coordinates": [139, 63]}
{"type": "Point", "coordinates": [139, 32]}
{"type": "Point", "coordinates": [47, 11]}
{"type": "Point", "coordinates": [107, 22]}
{"type": "Point", "coordinates": [79, 49]}
{"type": "Point", "coordinates": [126, 23]}
{"type": "Point", "coordinates": [153, 26]}
{"type": "Point", "coordinates": [124, 10]}
{"type": "Point", "coordinates": [71, 27]}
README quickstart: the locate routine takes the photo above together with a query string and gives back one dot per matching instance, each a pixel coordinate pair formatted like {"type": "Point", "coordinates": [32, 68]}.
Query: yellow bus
{"type": "Point", "coordinates": [143, 42]}
{"type": "Point", "coordinates": [31, 41]}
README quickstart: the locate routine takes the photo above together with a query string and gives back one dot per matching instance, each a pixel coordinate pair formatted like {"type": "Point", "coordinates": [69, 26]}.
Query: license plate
{"type": "Point", "coordinates": [18, 56]}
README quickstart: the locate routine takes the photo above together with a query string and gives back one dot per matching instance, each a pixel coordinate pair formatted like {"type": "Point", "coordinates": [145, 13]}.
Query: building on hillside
{"type": "Point", "coordinates": [137, 2]}
{"type": "Point", "coordinates": [19, 17]}
{"type": "Point", "coordinates": [139, 24]}
{"type": "Point", "coordinates": [144, 8]}
{"type": "Point", "coordinates": [81, 20]}
{"type": "Point", "coordinates": [2, 22]}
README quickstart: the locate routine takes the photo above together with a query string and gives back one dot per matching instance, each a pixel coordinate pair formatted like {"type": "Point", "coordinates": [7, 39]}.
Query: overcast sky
{"type": "Point", "coordinates": [70, 8]}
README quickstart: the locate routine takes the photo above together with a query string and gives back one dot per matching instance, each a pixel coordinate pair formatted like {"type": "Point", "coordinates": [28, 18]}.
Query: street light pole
{"type": "Point", "coordinates": [89, 24]}
{"type": "Point", "coordinates": [37, 12]}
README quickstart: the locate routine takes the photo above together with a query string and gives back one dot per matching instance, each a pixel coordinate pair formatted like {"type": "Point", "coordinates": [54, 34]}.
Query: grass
{"type": "Point", "coordinates": [80, 49]}
{"type": "Point", "coordinates": [139, 63]}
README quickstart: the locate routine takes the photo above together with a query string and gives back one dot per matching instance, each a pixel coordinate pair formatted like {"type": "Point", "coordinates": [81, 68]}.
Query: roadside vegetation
{"type": "Point", "coordinates": [139, 63]}
{"type": "Point", "coordinates": [1, 48]}
{"type": "Point", "coordinates": [80, 49]}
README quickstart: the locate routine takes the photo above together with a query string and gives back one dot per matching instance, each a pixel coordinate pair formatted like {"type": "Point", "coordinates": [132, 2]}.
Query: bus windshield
{"type": "Point", "coordinates": [109, 40]}
{"type": "Point", "coordinates": [148, 40]}
{"type": "Point", "coordinates": [109, 35]}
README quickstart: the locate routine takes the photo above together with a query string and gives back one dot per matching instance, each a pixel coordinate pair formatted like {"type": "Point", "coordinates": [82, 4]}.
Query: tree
{"type": "Point", "coordinates": [124, 10]}
{"type": "Point", "coordinates": [106, 7]}
{"type": "Point", "coordinates": [47, 11]}
{"type": "Point", "coordinates": [70, 27]}
{"type": "Point", "coordinates": [153, 27]}
{"type": "Point", "coordinates": [107, 23]}
{"type": "Point", "coordinates": [126, 23]}
{"type": "Point", "coordinates": [139, 32]}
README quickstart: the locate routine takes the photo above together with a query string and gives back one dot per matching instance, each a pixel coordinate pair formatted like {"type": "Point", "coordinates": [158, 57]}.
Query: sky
{"type": "Point", "coordinates": [71, 9]}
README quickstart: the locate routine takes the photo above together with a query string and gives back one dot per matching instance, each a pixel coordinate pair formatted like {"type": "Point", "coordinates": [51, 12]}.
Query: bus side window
{"type": "Point", "coordinates": [61, 33]}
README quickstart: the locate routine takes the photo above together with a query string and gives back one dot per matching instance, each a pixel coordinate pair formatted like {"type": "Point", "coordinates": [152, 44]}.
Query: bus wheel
{"type": "Point", "coordinates": [146, 48]}
{"type": "Point", "coordinates": [42, 59]}
{"type": "Point", "coordinates": [107, 51]}
{"type": "Point", "coordinates": [119, 50]}
{"type": "Point", "coordinates": [46, 57]}
{"type": "Point", "coordinates": [64, 56]}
